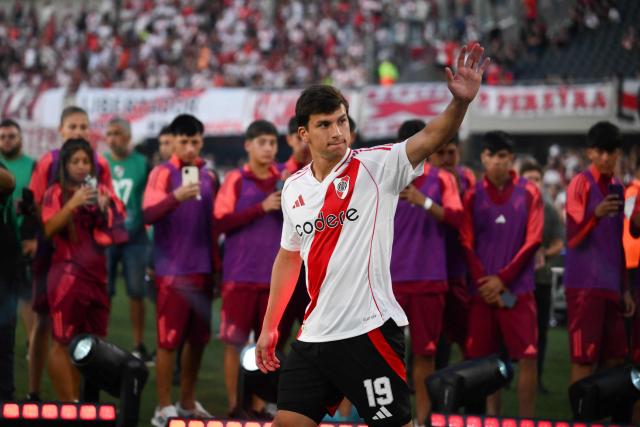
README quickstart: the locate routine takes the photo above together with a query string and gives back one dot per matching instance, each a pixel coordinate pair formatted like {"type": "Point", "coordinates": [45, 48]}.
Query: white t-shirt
{"type": "Point", "coordinates": [343, 228]}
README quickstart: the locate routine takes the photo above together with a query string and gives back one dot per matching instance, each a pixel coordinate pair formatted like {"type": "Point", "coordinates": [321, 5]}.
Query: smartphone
{"type": "Point", "coordinates": [279, 185]}
{"type": "Point", "coordinates": [508, 299]}
{"type": "Point", "coordinates": [190, 175]}
{"type": "Point", "coordinates": [92, 182]}
{"type": "Point", "coordinates": [618, 190]}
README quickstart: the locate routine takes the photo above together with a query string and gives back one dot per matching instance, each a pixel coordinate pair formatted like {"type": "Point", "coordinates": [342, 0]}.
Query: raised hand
{"type": "Point", "coordinates": [464, 84]}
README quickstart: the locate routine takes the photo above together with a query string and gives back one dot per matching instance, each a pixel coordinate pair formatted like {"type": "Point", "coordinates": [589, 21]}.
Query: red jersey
{"type": "Point", "coordinates": [80, 247]}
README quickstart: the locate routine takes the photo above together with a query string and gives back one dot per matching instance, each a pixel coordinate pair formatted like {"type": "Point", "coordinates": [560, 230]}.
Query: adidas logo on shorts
{"type": "Point", "coordinates": [382, 414]}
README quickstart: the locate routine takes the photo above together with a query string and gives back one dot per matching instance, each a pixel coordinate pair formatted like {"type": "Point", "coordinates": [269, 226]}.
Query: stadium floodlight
{"type": "Point", "coordinates": [608, 393]}
{"type": "Point", "coordinates": [252, 381]}
{"type": "Point", "coordinates": [467, 384]}
{"type": "Point", "coordinates": [105, 366]}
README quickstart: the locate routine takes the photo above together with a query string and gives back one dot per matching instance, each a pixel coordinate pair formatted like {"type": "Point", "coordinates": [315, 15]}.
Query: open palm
{"type": "Point", "coordinates": [464, 84]}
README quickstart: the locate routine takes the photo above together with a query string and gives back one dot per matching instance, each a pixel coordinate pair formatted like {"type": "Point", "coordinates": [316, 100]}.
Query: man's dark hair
{"type": "Point", "coordinates": [259, 128]}
{"type": "Point", "coordinates": [318, 99]}
{"type": "Point", "coordinates": [409, 128]}
{"type": "Point", "coordinates": [186, 124]}
{"type": "Point", "coordinates": [352, 124]}
{"type": "Point", "coordinates": [166, 130]}
{"type": "Point", "coordinates": [530, 166]}
{"type": "Point", "coordinates": [70, 111]}
{"type": "Point", "coordinates": [5, 123]}
{"type": "Point", "coordinates": [292, 127]}
{"type": "Point", "coordinates": [605, 136]}
{"type": "Point", "coordinates": [497, 140]}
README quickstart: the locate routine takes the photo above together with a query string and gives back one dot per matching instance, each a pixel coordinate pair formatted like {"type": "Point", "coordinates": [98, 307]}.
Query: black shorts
{"type": "Point", "coordinates": [367, 369]}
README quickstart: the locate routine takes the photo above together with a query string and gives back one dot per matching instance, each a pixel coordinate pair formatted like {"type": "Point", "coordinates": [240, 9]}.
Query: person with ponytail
{"type": "Point", "coordinates": [79, 218]}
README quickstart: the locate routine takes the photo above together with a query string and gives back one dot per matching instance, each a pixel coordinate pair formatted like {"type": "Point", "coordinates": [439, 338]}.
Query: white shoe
{"type": "Point", "coordinates": [162, 415]}
{"type": "Point", "coordinates": [197, 412]}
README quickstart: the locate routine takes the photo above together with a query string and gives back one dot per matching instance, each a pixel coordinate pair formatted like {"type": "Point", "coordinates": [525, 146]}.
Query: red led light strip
{"type": "Point", "coordinates": [57, 411]}
{"type": "Point", "coordinates": [440, 420]}
{"type": "Point", "coordinates": [437, 420]}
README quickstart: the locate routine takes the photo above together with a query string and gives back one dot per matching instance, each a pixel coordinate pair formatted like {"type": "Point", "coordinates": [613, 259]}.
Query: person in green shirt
{"type": "Point", "coordinates": [129, 170]}
{"type": "Point", "coordinates": [21, 167]}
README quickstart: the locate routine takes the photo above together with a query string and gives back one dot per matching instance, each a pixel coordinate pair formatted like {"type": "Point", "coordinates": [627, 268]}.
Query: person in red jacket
{"type": "Point", "coordinates": [78, 216]}
{"type": "Point", "coordinates": [500, 235]}
{"type": "Point", "coordinates": [74, 123]}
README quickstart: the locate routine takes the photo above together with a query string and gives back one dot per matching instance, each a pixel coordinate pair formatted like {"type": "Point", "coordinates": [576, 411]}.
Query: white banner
{"type": "Point", "coordinates": [384, 108]}
{"type": "Point", "coordinates": [378, 111]}
{"type": "Point", "coordinates": [279, 107]}
{"type": "Point", "coordinates": [628, 113]}
{"type": "Point", "coordinates": [221, 110]}
{"type": "Point", "coordinates": [544, 101]}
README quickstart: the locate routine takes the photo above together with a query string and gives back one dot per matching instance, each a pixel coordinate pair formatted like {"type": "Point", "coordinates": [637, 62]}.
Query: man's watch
{"type": "Point", "coordinates": [428, 202]}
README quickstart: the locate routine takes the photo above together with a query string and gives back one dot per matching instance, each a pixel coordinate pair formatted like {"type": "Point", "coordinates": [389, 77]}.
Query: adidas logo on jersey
{"type": "Point", "coordinates": [501, 219]}
{"type": "Point", "coordinates": [382, 414]}
{"type": "Point", "coordinates": [299, 202]}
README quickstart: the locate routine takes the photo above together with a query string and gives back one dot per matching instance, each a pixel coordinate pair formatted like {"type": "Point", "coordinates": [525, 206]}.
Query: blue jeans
{"type": "Point", "coordinates": [133, 255]}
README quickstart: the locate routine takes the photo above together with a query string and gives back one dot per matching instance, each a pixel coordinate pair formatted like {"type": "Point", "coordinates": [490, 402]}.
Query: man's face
{"type": "Point", "coordinates": [165, 146]}
{"type": "Point", "coordinates": [446, 157]}
{"type": "Point", "coordinates": [75, 126]}
{"type": "Point", "coordinates": [497, 165]}
{"type": "Point", "coordinates": [10, 141]}
{"type": "Point", "coordinates": [327, 135]}
{"type": "Point", "coordinates": [262, 149]}
{"type": "Point", "coordinates": [534, 176]}
{"type": "Point", "coordinates": [603, 160]}
{"type": "Point", "coordinates": [118, 140]}
{"type": "Point", "coordinates": [188, 147]}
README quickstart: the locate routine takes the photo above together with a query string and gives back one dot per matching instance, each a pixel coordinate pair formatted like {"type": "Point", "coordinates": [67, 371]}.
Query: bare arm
{"type": "Point", "coordinates": [464, 86]}
{"type": "Point", "coordinates": [284, 277]}
{"type": "Point", "coordinates": [554, 248]}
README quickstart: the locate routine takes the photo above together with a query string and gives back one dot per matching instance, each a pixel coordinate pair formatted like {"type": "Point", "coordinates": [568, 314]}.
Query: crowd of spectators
{"type": "Point", "coordinates": [265, 44]}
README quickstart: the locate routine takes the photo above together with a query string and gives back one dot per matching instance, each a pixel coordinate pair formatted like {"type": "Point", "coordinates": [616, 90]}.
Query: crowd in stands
{"type": "Point", "coordinates": [276, 44]}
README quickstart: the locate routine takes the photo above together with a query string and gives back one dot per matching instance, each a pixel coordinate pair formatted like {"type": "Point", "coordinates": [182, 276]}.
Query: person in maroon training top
{"type": "Point", "coordinates": [456, 309]}
{"type": "Point", "coordinates": [597, 293]}
{"type": "Point", "coordinates": [500, 235]}
{"type": "Point", "coordinates": [634, 228]}
{"type": "Point", "coordinates": [425, 206]}
{"type": "Point", "coordinates": [78, 218]}
{"type": "Point", "coordinates": [74, 123]}
{"type": "Point", "coordinates": [181, 211]}
{"type": "Point", "coordinates": [247, 211]}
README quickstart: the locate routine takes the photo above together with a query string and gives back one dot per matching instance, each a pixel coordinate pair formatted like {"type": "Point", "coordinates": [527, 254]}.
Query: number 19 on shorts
{"type": "Point", "coordinates": [378, 391]}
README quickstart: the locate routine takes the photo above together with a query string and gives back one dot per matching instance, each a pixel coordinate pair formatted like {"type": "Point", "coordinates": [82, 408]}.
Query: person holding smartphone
{"type": "Point", "coordinates": [178, 201]}
{"type": "Point", "coordinates": [500, 235]}
{"type": "Point", "coordinates": [419, 265]}
{"type": "Point", "coordinates": [74, 123]}
{"type": "Point", "coordinates": [78, 217]}
{"type": "Point", "coordinates": [248, 213]}
{"type": "Point", "coordinates": [596, 288]}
